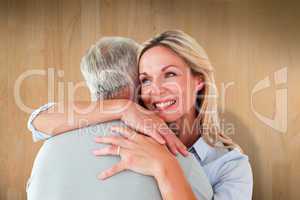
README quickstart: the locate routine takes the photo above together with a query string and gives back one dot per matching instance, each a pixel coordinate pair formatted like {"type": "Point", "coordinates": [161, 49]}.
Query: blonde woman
{"type": "Point", "coordinates": [177, 86]}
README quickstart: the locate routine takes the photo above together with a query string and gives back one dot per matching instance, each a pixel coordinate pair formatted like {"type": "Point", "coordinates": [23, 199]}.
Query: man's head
{"type": "Point", "coordinates": [110, 68]}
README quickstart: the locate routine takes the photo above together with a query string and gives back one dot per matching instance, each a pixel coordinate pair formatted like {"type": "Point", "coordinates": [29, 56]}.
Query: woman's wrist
{"type": "Point", "coordinates": [172, 182]}
{"type": "Point", "coordinates": [164, 170]}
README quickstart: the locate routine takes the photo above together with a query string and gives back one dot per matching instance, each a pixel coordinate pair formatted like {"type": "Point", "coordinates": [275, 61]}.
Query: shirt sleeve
{"type": "Point", "coordinates": [38, 135]}
{"type": "Point", "coordinates": [236, 181]}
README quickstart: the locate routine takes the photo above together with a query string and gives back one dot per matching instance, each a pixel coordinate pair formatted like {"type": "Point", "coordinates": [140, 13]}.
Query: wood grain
{"type": "Point", "coordinates": [246, 41]}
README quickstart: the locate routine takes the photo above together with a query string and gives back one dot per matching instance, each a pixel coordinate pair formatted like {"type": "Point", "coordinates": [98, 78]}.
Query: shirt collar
{"type": "Point", "coordinates": [201, 148]}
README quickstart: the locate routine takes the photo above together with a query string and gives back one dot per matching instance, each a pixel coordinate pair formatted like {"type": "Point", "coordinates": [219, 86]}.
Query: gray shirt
{"type": "Point", "coordinates": [65, 168]}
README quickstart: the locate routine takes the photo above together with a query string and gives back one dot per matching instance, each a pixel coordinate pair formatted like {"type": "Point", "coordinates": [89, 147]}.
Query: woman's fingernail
{"type": "Point", "coordinates": [101, 176]}
{"type": "Point", "coordinates": [175, 152]}
{"type": "Point", "coordinates": [186, 153]}
{"type": "Point", "coordinates": [96, 152]}
{"type": "Point", "coordinates": [162, 141]}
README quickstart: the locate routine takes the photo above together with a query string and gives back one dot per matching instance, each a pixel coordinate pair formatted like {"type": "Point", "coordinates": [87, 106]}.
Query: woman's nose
{"type": "Point", "coordinates": [156, 88]}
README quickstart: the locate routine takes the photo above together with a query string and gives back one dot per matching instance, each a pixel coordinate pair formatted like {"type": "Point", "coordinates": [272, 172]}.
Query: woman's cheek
{"type": "Point", "coordinates": [145, 99]}
{"type": "Point", "coordinates": [186, 95]}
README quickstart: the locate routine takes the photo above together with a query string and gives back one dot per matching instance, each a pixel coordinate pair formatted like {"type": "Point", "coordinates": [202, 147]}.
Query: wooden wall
{"type": "Point", "coordinates": [247, 41]}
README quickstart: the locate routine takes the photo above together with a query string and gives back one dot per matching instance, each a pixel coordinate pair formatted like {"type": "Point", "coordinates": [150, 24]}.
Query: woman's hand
{"type": "Point", "coordinates": [138, 153]}
{"type": "Point", "coordinates": [143, 155]}
{"type": "Point", "coordinates": [148, 123]}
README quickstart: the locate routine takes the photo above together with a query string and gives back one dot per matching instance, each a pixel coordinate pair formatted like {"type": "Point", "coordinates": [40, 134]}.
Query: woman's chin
{"type": "Point", "coordinates": [169, 117]}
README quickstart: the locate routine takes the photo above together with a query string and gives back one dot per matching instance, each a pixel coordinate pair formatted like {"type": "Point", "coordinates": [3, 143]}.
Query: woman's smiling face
{"type": "Point", "coordinates": [168, 86]}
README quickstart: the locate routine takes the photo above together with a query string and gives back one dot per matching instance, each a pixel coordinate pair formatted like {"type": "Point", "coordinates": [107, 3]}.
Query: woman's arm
{"type": "Point", "coordinates": [170, 186]}
{"type": "Point", "coordinates": [64, 117]}
{"type": "Point", "coordinates": [73, 115]}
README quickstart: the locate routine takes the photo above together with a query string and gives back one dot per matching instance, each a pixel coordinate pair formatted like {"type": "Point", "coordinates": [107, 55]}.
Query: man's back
{"type": "Point", "coordinates": [65, 168]}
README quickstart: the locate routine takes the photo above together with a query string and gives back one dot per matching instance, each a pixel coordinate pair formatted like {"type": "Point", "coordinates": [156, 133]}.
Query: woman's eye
{"type": "Point", "coordinates": [170, 74]}
{"type": "Point", "coordinates": [145, 81]}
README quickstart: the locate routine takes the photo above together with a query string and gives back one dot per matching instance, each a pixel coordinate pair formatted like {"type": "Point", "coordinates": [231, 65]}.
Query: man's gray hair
{"type": "Point", "coordinates": [109, 66]}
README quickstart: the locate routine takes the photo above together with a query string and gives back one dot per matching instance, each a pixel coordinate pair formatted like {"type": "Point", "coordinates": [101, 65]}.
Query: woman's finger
{"type": "Point", "coordinates": [115, 169]}
{"type": "Point", "coordinates": [116, 140]}
{"type": "Point", "coordinates": [111, 150]}
{"type": "Point", "coordinates": [152, 132]}
{"type": "Point", "coordinates": [127, 132]}
{"type": "Point", "coordinates": [175, 145]}
{"type": "Point", "coordinates": [173, 142]}
{"type": "Point", "coordinates": [182, 148]}
{"type": "Point", "coordinates": [163, 129]}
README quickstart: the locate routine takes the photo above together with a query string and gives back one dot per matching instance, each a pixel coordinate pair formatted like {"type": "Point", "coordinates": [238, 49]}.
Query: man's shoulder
{"type": "Point", "coordinates": [66, 161]}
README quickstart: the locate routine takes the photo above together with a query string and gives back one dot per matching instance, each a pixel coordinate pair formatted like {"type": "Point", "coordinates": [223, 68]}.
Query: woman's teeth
{"type": "Point", "coordinates": [164, 104]}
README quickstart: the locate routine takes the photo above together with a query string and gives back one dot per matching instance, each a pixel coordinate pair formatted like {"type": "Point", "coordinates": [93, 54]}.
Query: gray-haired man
{"type": "Point", "coordinates": [65, 167]}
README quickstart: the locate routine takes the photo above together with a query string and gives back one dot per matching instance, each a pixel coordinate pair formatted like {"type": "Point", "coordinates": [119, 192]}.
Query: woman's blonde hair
{"type": "Point", "coordinates": [207, 121]}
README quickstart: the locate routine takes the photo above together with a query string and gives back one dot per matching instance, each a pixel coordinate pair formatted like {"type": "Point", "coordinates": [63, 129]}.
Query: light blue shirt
{"type": "Point", "coordinates": [229, 172]}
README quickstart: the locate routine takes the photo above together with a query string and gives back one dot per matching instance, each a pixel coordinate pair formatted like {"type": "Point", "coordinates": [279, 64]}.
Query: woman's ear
{"type": "Point", "coordinates": [199, 84]}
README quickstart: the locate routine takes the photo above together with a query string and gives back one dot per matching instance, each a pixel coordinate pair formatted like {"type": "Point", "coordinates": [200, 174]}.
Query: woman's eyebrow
{"type": "Point", "coordinates": [143, 73]}
{"type": "Point", "coordinates": [163, 69]}
{"type": "Point", "coordinates": [167, 66]}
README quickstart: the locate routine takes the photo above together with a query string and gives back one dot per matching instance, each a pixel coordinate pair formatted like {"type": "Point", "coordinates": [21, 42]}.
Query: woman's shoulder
{"type": "Point", "coordinates": [221, 162]}
{"type": "Point", "coordinates": [228, 163]}
{"type": "Point", "coordinates": [219, 153]}
{"type": "Point", "coordinates": [224, 155]}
